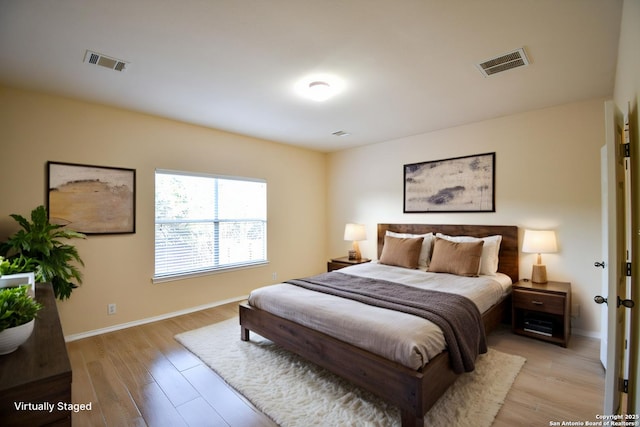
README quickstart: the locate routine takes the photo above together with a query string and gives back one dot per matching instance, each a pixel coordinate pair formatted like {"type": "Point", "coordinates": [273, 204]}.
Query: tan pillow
{"type": "Point", "coordinates": [490, 251]}
{"type": "Point", "coordinates": [460, 258]}
{"type": "Point", "coordinates": [401, 252]}
{"type": "Point", "coordinates": [427, 243]}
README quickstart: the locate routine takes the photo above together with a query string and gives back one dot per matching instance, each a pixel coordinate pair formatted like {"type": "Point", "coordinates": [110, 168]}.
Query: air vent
{"type": "Point", "coordinates": [340, 133]}
{"type": "Point", "coordinates": [505, 62]}
{"type": "Point", "coordinates": [105, 61]}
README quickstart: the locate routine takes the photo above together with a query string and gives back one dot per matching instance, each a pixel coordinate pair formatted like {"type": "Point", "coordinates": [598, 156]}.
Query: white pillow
{"type": "Point", "coordinates": [490, 250]}
{"type": "Point", "coordinates": [427, 244]}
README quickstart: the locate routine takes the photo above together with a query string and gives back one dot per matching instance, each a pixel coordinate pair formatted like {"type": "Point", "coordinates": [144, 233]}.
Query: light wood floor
{"type": "Point", "coordinates": [142, 377]}
{"type": "Point", "coordinates": [555, 384]}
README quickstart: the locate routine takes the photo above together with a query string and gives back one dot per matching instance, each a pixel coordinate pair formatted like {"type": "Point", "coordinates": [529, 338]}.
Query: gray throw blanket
{"type": "Point", "coordinates": [457, 316]}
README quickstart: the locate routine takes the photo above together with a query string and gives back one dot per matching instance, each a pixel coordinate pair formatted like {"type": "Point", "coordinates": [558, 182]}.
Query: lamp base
{"type": "Point", "coordinates": [354, 254]}
{"type": "Point", "coordinates": [539, 273]}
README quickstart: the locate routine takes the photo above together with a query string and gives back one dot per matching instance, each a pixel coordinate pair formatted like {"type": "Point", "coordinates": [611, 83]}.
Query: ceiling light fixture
{"type": "Point", "coordinates": [319, 87]}
{"type": "Point", "coordinates": [319, 91]}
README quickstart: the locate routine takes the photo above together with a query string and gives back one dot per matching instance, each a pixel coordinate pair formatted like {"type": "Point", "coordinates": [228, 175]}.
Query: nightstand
{"type": "Point", "coordinates": [542, 310]}
{"type": "Point", "coordinates": [338, 263]}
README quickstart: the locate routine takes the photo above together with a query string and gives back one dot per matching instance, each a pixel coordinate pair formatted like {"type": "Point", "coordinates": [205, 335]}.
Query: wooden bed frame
{"type": "Point", "coordinates": [413, 391]}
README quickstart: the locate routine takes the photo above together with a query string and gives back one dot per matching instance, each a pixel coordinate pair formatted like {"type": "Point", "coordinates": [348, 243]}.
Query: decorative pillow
{"type": "Point", "coordinates": [490, 251]}
{"type": "Point", "coordinates": [425, 251]}
{"type": "Point", "coordinates": [460, 258]}
{"type": "Point", "coordinates": [401, 252]}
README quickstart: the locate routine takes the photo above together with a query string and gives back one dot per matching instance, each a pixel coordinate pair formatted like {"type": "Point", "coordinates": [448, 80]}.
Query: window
{"type": "Point", "coordinates": [206, 223]}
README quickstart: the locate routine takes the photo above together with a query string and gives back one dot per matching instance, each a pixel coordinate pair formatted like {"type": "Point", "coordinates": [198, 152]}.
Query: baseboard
{"type": "Point", "coordinates": [120, 326]}
{"type": "Point", "coordinates": [74, 337]}
{"type": "Point", "coordinates": [583, 333]}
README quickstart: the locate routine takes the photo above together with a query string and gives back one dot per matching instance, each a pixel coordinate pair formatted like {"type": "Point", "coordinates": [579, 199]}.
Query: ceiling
{"type": "Point", "coordinates": [408, 66]}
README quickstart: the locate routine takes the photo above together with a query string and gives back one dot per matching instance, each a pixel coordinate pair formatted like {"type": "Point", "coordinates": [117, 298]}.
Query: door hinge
{"type": "Point", "coordinates": [628, 269]}
{"type": "Point", "coordinates": [624, 385]}
{"type": "Point", "coordinates": [626, 150]}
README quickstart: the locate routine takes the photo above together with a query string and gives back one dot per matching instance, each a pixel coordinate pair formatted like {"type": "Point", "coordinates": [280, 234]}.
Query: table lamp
{"type": "Point", "coordinates": [539, 242]}
{"type": "Point", "coordinates": [355, 232]}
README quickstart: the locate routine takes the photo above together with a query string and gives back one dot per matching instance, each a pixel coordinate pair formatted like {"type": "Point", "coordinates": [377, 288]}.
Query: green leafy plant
{"type": "Point", "coordinates": [16, 307]}
{"type": "Point", "coordinates": [19, 264]}
{"type": "Point", "coordinates": [41, 243]}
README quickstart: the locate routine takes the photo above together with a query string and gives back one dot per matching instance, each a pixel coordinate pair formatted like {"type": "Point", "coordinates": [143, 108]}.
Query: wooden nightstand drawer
{"type": "Point", "coordinates": [338, 263]}
{"type": "Point", "coordinates": [544, 302]}
{"type": "Point", "coordinates": [331, 266]}
{"type": "Point", "coordinates": [542, 311]}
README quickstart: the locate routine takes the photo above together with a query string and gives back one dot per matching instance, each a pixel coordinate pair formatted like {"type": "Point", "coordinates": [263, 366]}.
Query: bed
{"type": "Point", "coordinates": [413, 390]}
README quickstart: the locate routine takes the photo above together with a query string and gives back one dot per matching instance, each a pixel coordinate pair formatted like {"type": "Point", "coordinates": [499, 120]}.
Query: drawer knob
{"type": "Point", "coordinates": [537, 302]}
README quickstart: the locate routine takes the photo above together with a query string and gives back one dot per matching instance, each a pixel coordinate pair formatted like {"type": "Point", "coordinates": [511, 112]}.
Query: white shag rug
{"type": "Point", "coordinates": [294, 392]}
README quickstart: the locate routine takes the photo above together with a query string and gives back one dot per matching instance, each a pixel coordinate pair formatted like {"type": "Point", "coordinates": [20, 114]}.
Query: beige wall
{"type": "Point", "coordinates": [38, 128]}
{"type": "Point", "coordinates": [547, 176]}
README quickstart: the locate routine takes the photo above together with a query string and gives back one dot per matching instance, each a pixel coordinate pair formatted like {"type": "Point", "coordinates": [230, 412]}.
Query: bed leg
{"type": "Point", "coordinates": [408, 419]}
{"type": "Point", "coordinates": [244, 333]}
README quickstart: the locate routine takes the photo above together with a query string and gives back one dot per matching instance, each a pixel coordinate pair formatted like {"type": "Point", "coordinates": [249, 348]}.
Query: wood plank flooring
{"type": "Point", "coordinates": [555, 384]}
{"type": "Point", "coordinates": [141, 376]}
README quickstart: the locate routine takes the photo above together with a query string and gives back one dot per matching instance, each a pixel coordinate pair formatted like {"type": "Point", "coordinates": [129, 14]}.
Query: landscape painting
{"type": "Point", "coordinates": [461, 184]}
{"type": "Point", "coordinates": [92, 199]}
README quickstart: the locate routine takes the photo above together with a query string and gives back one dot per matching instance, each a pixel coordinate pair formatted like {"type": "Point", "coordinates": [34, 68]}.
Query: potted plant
{"type": "Point", "coordinates": [41, 243]}
{"type": "Point", "coordinates": [19, 264]}
{"type": "Point", "coordinates": [18, 271]}
{"type": "Point", "coordinates": [17, 317]}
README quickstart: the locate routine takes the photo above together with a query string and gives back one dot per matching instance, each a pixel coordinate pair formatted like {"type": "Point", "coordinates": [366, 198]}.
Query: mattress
{"type": "Point", "coordinates": [404, 338]}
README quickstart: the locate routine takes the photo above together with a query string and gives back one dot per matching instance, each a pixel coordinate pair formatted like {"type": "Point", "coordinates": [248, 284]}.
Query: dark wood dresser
{"type": "Point", "coordinates": [38, 372]}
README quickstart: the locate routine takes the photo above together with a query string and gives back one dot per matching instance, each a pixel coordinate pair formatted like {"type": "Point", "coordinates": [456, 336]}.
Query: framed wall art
{"type": "Point", "coordinates": [92, 199]}
{"type": "Point", "coordinates": [460, 184]}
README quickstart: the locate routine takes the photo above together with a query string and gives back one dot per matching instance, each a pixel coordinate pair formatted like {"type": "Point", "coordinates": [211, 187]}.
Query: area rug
{"type": "Point", "coordinates": [294, 392]}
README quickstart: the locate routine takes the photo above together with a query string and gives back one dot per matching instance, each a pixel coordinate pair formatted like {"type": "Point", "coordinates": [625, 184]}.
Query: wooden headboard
{"type": "Point", "coordinates": [509, 249]}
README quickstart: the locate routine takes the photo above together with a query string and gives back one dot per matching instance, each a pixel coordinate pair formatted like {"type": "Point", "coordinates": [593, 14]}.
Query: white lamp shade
{"type": "Point", "coordinates": [539, 242]}
{"type": "Point", "coordinates": [355, 232]}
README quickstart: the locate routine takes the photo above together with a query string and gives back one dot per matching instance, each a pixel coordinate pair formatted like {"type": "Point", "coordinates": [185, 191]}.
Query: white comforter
{"type": "Point", "coordinates": [404, 338]}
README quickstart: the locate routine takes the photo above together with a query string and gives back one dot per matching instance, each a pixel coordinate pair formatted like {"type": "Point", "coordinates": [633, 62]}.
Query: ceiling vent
{"type": "Point", "coordinates": [504, 62]}
{"type": "Point", "coordinates": [105, 61]}
{"type": "Point", "coordinates": [340, 133]}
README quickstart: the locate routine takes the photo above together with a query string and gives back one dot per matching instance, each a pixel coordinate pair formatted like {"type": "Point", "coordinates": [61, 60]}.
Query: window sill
{"type": "Point", "coordinates": [182, 276]}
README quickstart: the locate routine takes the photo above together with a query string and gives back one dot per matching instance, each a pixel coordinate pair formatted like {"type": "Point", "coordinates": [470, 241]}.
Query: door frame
{"type": "Point", "coordinates": [617, 359]}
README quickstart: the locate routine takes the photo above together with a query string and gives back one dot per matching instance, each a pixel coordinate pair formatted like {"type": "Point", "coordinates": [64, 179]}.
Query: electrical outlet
{"type": "Point", "coordinates": [111, 309]}
{"type": "Point", "coordinates": [274, 275]}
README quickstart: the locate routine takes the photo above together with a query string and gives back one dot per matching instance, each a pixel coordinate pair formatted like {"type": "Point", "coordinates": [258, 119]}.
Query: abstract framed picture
{"type": "Point", "coordinates": [460, 184]}
{"type": "Point", "coordinates": [92, 199]}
